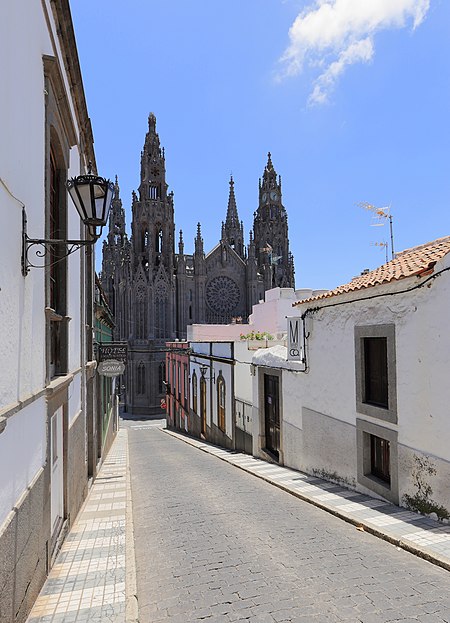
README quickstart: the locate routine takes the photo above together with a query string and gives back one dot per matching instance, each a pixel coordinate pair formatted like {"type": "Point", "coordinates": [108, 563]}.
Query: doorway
{"type": "Point", "coordinates": [203, 406]}
{"type": "Point", "coordinates": [272, 414]}
{"type": "Point", "coordinates": [57, 472]}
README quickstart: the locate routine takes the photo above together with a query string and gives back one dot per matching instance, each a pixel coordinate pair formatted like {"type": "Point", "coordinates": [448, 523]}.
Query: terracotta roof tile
{"type": "Point", "coordinates": [415, 261]}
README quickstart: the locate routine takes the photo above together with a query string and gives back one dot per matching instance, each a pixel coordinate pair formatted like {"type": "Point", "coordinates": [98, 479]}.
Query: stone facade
{"type": "Point", "coordinates": [156, 293]}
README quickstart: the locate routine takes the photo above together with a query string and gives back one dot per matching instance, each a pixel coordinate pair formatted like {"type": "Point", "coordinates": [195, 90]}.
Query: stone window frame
{"type": "Point", "coordinates": [364, 430]}
{"type": "Point", "coordinates": [367, 331]}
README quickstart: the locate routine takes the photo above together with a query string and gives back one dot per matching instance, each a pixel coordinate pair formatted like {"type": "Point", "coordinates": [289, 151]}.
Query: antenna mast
{"type": "Point", "coordinates": [381, 213]}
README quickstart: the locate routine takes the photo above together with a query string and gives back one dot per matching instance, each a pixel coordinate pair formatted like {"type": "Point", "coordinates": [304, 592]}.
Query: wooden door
{"type": "Point", "coordinates": [272, 413]}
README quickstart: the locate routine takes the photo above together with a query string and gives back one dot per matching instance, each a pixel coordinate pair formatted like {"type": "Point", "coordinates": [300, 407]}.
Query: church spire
{"type": "Point", "coordinates": [233, 230]}
{"type": "Point", "coordinates": [116, 216]}
{"type": "Point", "coordinates": [269, 180]}
{"type": "Point", "coordinates": [232, 213]}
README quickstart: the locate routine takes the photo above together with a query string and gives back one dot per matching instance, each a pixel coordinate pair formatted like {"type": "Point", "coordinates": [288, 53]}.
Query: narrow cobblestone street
{"type": "Point", "coordinates": [214, 543]}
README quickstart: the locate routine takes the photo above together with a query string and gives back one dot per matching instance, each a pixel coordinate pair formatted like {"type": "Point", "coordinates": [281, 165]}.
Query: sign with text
{"type": "Point", "coordinates": [295, 339]}
{"type": "Point", "coordinates": [111, 367]}
{"type": "Point", "coordinates": [113, 350]}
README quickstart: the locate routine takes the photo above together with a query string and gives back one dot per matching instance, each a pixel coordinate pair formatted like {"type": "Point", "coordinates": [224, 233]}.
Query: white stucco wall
{"type": "Point", "coordinates": [22, 453]}
{"type": "Point", "coordinates": [319, 409]}
{"type": "Point", "coordinates": [23, 43]}
{"type": "Point", "coordinates": [226, 369]}
{"type": "Point", "coordinates": [243, 378]}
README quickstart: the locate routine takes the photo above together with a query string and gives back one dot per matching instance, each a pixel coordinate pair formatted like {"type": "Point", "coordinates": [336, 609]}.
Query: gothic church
{"type": "Point", "coordinates": [155, 292]}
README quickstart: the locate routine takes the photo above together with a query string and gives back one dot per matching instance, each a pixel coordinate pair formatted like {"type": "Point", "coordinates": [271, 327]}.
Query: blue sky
{"type": "Point", "coordinates": [351, 97]}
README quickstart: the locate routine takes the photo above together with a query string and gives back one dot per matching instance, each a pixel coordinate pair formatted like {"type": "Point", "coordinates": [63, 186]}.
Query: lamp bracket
{"type": "Point", "coordinates": [42, 247]}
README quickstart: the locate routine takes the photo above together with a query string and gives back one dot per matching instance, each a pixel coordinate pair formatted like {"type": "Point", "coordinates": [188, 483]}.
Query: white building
{"type": "Point", "coordinates": [371, 410]}
{"type": "Point", "coordinates": [46, 358]}
{"type": "Point", "coordinates": [225, 352]}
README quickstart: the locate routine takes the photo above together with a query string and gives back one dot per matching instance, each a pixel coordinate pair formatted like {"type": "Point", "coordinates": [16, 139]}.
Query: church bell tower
{"type": "Point", "coordinates": [270, 228]}
{"type": "Point", "coordinates": [152, 282]}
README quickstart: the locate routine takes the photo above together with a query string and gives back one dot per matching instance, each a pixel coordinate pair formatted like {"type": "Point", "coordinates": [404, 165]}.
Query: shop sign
{"type": "Point", "coordinates": [110, 367]}
{"type": "Point", "coordinates": [113, 350]}
{"type": "Point", "coordinates": [295, 337]}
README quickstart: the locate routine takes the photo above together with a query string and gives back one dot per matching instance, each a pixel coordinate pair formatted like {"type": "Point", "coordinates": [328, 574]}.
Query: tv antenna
{"type": "Point", "coordinates": [380, 215]}
{"type": "Point", "coordinates": [381, 244]}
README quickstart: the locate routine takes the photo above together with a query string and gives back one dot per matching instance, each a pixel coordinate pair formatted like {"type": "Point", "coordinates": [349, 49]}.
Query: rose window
{"type": "Point", "coordinates": [222, 295]}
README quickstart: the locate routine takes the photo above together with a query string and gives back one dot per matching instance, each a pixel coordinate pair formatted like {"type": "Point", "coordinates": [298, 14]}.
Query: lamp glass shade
{"type": "Point", "coordinates": [92, 196]}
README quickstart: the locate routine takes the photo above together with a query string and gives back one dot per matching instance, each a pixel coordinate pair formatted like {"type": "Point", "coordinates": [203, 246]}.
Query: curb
{"type": "Point", "coordinates": [361, 524]}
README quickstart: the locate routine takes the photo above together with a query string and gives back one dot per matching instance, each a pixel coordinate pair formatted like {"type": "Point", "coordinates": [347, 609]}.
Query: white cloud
{"type": "Point", "coordinates": [333, 34]}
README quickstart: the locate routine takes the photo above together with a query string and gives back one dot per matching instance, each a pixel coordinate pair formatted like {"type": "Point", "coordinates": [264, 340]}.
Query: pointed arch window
{"type": "Point", "coordinates": [158, 239]}
{"type": "Point", "coordinates": [141, 319]}
{"type": "Point", "coordinates": [221, 402]}
{"type": "Point", "coordinates": [194, 392]}
{"type": "Point", "coordinates": [161, 318]}
{"type": "Point", "coordinates": [161, 376]}
{"type": "Point", "coordinates": [154, 191]}
{"type": "Point", "coordinates": [141, 379]}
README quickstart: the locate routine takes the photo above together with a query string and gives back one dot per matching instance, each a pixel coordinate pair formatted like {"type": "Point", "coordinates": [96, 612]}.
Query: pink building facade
{"type": "Point", "coordinates": [176, 402]}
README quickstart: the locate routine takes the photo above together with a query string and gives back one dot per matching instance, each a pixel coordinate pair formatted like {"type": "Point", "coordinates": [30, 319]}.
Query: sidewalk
{"type": "Point", "coordinates": [93, 578]}
{"type": "Point", "coordinates": [87, 581]}
{"type": "Point", "coordinates": [413, 532]}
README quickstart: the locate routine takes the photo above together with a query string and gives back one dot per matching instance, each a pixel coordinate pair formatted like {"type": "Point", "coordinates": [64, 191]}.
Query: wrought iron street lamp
{"type": "Point", "coordinates": [204, 369]}
{"type": "Point", "coordinates": [92, 196]}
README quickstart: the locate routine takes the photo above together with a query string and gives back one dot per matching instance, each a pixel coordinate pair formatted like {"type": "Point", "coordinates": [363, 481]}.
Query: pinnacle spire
{"type": "Point", "coordinates": [181, 244]}
{"type": "Point", "coordinates": [152, 122]}
{"type": "Point", "coordinates": [199, 241]}
{"type": "Point", "coordinates": [232, 219]}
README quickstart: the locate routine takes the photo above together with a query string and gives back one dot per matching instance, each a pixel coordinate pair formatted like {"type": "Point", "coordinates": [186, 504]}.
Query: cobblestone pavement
{"type": "Point", "coordinates": [216, 544]}
{"type": "Point", "coordinates": [87, 581]}
{"type": "Point", "coordinates": [418, 534]}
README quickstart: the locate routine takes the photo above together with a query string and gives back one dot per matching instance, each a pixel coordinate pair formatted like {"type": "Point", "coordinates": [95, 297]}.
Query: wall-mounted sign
{"type": "Point", "coordinates": [295, 339]}
{"type": "Point", "coordinates": [113, 350]}
{"type": "Point", "coordinates": [110, 367]}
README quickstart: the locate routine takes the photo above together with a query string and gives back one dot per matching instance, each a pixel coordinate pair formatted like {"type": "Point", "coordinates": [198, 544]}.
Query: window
{"type": "Point", "coordinates": [158, 239]}
{"type": "Point", "coordinates": [57, 273]}
{"type": "Point", "coordinates": [153, 192]}
{"type": "Point", "coordinates": [141, 379]}
{"type": "Point", "coordinates": [185, 388]}
{"type": "Point", "coordinates": [194, 392]}
{"type": "Point", "coordinates": [375, 371]}
{"type": "Point", "coordinates": [161, 377]}
{"type": "Point", "coordinates": [221, 402]}
{"type": "Point", "coordinates": [145, 239]}
{"type": "Point", "coordinates": [160, 317]}
{"type": "Point", "coordinates": [375, 368]}
{"type": "Point", "coordinates": [379, 458]}
{"type": "Point", "coordinates": [60, 134]}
